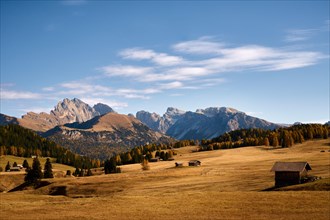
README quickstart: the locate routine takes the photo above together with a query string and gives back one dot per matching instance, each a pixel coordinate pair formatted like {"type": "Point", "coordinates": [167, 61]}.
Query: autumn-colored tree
{"type": "Point", "coordinates": [266, 141]}
{"type": "Point", "coordinates": [145, 165]}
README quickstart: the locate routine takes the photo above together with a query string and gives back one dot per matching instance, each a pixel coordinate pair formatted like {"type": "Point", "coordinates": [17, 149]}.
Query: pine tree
{"type": "Point", "coordinates": [7, 167]}
{"type": "Point", "coordinates": [76, 172]}
{"type": "Point", "coordinates": [34, 174]}
{"type": "Point", "coordinates": [25, 164]}
{"type": "Point", "coordinates": [14, 164]}
{"type": "Point", "coordinates": [89, 172]}
{"type": "Point", "coordinates": [48, 170]}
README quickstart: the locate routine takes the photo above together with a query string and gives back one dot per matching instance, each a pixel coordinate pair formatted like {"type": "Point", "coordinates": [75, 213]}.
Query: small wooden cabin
{"type": "Point", "coordinates": [290, 173]}
{"type": "Point", "coordinates": [15, 169]}
{"type": "Point", "coordinates": [156, 159]}
{"type": "Point", "coordinates": [194, 163]}
{"type": "Point", "coordinates": [178, 164]}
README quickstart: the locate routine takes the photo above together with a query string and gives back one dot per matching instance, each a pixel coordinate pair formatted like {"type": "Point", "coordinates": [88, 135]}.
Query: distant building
{"type": "Point", "coordinates": [178, 164]}
{"type": "Point", "coordinates": [14, 169]}
{"type": "Point", "coordinates": [194, 163]}
{"type": "Point", "coordinates": [156, 159]}
{"type": "Point", "coordinates": [290, 173]}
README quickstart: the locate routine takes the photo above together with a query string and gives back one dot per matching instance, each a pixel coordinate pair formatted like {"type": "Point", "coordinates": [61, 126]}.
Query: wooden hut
{"type": "Point", "coordinates": [194, 163]}
{"type": "Point", "coordinates": [290, 173]}
{"type": "Point", "coordinates": [178, 164]}
{"type": "Point", "coordinates": [156, 159]}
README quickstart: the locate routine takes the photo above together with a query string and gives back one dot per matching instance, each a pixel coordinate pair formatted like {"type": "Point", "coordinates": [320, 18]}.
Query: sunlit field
{"type": "Point", "coordinates": [228, 185]}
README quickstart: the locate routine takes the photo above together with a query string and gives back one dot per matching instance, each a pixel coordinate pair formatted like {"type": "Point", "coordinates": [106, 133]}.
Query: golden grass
{"type": "Point", "coordinates": [19, 160]}
{"type": "Point", "coordinates": [228, 185]}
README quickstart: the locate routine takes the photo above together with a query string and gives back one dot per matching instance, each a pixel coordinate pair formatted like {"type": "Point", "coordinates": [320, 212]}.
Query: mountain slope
{"type": "Point", "coordinates": [103, 135]}
{"type": "Point", "coordinates": [202, 124]}
{"type": "Point", "coordinates": [160, 123]}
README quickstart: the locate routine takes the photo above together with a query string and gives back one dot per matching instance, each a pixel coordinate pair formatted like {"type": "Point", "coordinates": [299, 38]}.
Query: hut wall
{"type": "Point", "coordinates": [286, 178]}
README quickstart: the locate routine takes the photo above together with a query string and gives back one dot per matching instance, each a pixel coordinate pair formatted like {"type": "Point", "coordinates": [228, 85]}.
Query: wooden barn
{"type": "Point", "coordinates": [178, 164]}
{"type": "Point", "coordinates": [156, 159]}
{"type": "Point", "coordinates": [290, 173]}
{"type": "Point", "coordinates": [194, 163]}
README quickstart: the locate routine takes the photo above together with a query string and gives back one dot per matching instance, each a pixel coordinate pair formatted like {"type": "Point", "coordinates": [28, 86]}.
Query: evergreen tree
{"type": "Point", "coordinates": [48, 170]}
{"type": "Point", "coordinates": [89, 172]}
{"type": "Point", "coordinates": [25, 164]}
{"type": "Point", "coordinates": [14, 164]}
{"type": "Point", "coordinates": [82, 173]}
{"type": "Point", "coordinates": [34, 174]}
{"type": "Point", "coordinates": [7, 167]}
{"type": "Point", "coordinates": [76, 172]}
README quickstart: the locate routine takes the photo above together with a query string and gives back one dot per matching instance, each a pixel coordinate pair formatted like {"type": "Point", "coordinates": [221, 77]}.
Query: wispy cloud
{"type": "Point", "coordinates": [12, 94]}
{"type": "Point", "coordinates": [211, 58]}
{"type": "Point", "coordinates": [162, 59]}
{"type": "Point", "coordinates": [299, 34]}
{"type": "Point", "coordinates": [203, 45]}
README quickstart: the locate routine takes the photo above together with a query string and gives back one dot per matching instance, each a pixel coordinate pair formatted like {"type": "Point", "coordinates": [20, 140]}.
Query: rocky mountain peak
{"type": "Point", "coordinates": [102, 109]}
{"type": "Point", "coordinates": [74, 110]}
{"type": "Point", "coordinates": [174, 111]}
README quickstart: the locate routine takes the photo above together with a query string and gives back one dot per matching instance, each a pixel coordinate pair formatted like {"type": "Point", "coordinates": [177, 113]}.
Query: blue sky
{"type": "Point", "coordinates": [269, 59]}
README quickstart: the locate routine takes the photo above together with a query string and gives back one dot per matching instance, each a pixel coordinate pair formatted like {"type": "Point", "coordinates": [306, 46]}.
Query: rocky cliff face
{"type": "Point", "coordinates": [160, 123]}
{"type": "Point", "coordinates": [202, 124]}
{"type": "Point", "coordinates": [66, 111]}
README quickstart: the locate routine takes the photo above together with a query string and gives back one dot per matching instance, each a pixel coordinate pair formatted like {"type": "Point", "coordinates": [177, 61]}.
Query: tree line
{"type": "Point", "coordinates": [18, 141]}
{"type": "Point", "coordinates": [281, 137]}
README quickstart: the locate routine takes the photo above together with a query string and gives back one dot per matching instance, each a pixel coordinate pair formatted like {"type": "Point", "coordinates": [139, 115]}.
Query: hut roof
{"type": "Point", "coordinates": [291, 166]}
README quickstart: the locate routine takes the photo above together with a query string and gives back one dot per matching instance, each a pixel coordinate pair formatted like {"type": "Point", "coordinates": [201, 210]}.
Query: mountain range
{"type": "Point", "coordinates": [99, 131]}
{"type": "Point", "coordinates": [203, 123]}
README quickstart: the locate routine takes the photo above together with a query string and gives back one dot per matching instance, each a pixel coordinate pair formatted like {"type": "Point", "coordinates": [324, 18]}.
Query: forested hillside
{"type": "Point", "coordinates": [284, 137]}
{"type": "Point", "coordinates": [18, 141]}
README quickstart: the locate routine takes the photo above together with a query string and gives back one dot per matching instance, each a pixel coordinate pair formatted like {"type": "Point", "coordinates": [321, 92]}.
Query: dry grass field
{"type": "Point", "coordinates": [228, 185]}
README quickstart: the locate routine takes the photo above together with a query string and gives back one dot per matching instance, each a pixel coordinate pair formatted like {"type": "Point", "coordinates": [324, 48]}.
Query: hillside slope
{"type": "Point", "coordinates": [103, 135]}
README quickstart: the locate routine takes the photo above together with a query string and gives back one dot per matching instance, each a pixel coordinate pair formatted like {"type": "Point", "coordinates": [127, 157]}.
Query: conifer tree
{"type": "Point", "coordinates": [15, 164]}
{"type": "Point", "coordinates": [7, 167]}
{"type": "Point", "coordinates": [34, 174]}
{"type": "Point", "coordinates": [48, 170]}
{"type": "Point", "coordinates": [25, 164]}
{"type": "Point", "coordinates": [89, 172]}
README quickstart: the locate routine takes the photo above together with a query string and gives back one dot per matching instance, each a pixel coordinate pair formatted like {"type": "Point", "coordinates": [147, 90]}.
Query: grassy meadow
{"type": "Point", "coordinates": [228, 185]}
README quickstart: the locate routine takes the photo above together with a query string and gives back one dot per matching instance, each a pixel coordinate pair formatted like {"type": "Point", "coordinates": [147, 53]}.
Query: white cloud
{"type": "Point", "coordinates": [202, 45]}
{"type": "Point", "coordinates": [295, 35]}
{"type": "Point", "coordinates": [11, 94]}
{"type": "Point", "coordinates": [48, 89]}
{"type": "Point", "coordinates": [126, 71]}
{"type": "Point", "coordinates": [36, 110]}
{"type": "Point", "coordinates": [113, 104]}
{"type": "Point", "coordinates": [162, 59]}
{"type": "Point", "coordinates": [171, 85]}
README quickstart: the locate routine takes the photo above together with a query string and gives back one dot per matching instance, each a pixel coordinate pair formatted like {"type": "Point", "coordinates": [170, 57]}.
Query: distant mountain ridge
{"type": "Point", "coordinates": [203, 123]}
